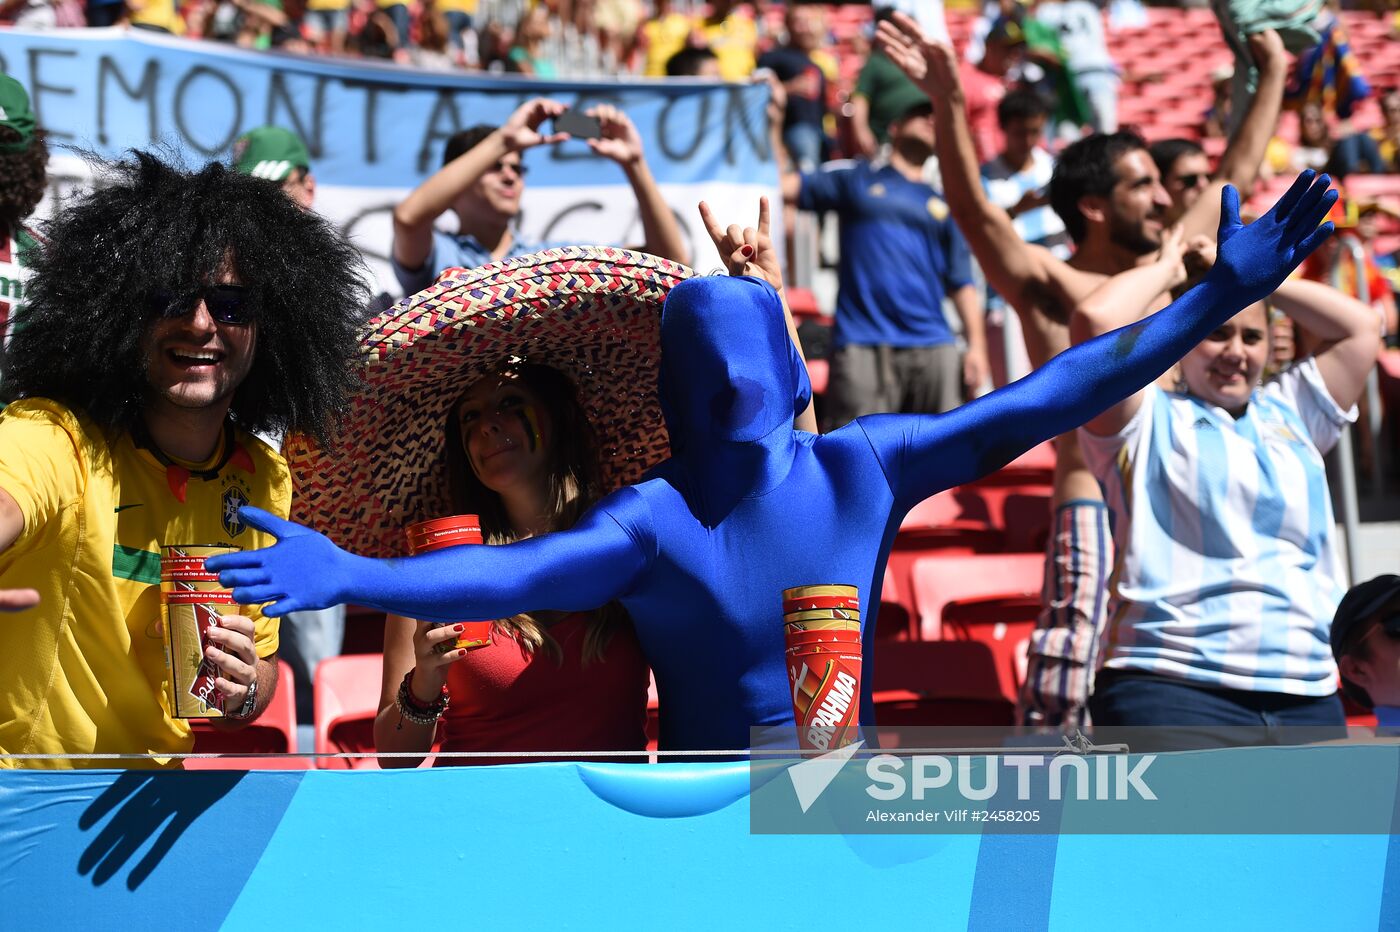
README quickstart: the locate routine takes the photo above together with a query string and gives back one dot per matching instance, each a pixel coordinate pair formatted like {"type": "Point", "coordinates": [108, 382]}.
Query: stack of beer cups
{"type": "Point", "coordinates": [822, 628]}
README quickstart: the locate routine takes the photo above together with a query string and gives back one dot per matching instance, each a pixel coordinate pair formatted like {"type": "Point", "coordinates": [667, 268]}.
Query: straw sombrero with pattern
{"type": "Point", "coordinates": [593, 313]}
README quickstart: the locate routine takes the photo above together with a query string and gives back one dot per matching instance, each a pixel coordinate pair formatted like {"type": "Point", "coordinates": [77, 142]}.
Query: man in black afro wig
{"type": "Point", "coordinates": [170, 317]}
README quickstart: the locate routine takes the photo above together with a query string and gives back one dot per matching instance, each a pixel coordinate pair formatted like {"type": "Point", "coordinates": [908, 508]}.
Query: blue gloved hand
{"type": "Point", "coordinates": [302, 560]}
{"type": "Point", "coordinates": [1252, 261]}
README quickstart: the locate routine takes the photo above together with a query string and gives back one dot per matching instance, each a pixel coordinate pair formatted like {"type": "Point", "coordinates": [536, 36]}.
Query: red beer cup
{"type": "Point", "coordinates": [197, 598]}
{"type": "Point", "coordinates": [832, 640]}
{"type": "Point", "coordinates": [820, 601]}
{"type": "Point", "coordinates": [439, 534]}
{"type": "Point", "coordinates": [192, 602]}
{"type": "Point", "coordinates": [826, 696]}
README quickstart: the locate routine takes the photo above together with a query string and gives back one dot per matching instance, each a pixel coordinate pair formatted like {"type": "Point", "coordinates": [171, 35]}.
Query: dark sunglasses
{"type": "Point", "coordinates": [1190, 181]}
{"type": "Point", "coordinates": [517, 167]}
{"type": "Point", "coordinates": [228, 304]}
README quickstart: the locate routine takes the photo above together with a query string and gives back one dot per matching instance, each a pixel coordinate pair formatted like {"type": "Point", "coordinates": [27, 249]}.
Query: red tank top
{"type": "Point", "coordinates": [507, 699]}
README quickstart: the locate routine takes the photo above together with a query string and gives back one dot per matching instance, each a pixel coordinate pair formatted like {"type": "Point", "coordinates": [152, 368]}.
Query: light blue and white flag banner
{"type": "Point", "coordinates": [376, 131]}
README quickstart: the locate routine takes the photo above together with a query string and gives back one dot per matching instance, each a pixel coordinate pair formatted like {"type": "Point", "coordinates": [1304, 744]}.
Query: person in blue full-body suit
{"type": "Point", "coordinates": [700, 550]}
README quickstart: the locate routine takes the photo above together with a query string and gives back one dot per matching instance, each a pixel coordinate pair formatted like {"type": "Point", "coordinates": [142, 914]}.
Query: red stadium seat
{"type": "Point", "coordinates": [364, 630]}
{"type": "Point", "coordinates": [275, 732]}
{"type": "Point", "coordinates": [347, 701]}
{"type": "Point", "coordinates": [961, 508]}
{"type": "Point", "coordinates": [1008, 510]}
{"type": "Point", "coordinates": [803, 304]}
{"type": "Point", "coordinates": [947, 579]}
{"type": "Point", "coordinates": [991, 598]}
{"type": "Point", "coordinates": [979, 518]}
{"type": "Point", "coordinates": [818, 373]}
{"type": "Point", "coordinates": [1004, 624]}
{"type": "Point", "coordinates": [896, 619]}
{"type": "Point", "coordinates": [1372, 187]}
{"type": "Point", "coordinates": [1163, 91]}
{"type": "Point", "coordinates": [1215, 146]}
{"type": "Point", "coordinates": [1024, 515]}
{"type": "Point", "coordinates": [1035, 466]}
{"type": "Point", "coordinates": [955, 521]}
{"type": "Point", "coordinates": [935, 683]}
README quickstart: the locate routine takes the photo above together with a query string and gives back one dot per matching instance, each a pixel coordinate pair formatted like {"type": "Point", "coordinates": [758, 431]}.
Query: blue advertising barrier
{"type": "Point", "coordinates": [617, 847]}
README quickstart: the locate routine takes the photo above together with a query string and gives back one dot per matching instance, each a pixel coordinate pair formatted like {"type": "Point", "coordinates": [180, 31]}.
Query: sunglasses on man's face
{"type": "Point", "coordinates": [1192, 180]}
{"type": "Point", "coordinates": [228, 304]}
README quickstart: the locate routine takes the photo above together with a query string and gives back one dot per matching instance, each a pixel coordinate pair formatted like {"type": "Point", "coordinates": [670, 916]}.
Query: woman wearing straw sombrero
{"type": "Point", "coordinates": [746, 506]}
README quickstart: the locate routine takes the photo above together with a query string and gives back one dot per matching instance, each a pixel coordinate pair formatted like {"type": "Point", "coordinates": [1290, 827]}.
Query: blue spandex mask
{"type": "Point", "coordinates": [729, 371]}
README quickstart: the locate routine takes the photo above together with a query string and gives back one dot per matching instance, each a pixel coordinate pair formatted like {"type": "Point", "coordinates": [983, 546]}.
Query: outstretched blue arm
{"type": "Point", "coordinates": [580, 569]}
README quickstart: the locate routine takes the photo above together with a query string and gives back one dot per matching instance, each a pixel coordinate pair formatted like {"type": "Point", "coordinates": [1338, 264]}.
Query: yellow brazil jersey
{"type": "Point", "coordinates": [457, 6]}
{"type": "Point", "coordinates": [327, 5]}
{"type": "Point", "coordinates": [159, 13]}
{"type": "Point", "coordinates": [664, 37]}
{"type": "Point", "coordinates": [733, 41]}
{"type": "Point", "coordinates": [84, 671]}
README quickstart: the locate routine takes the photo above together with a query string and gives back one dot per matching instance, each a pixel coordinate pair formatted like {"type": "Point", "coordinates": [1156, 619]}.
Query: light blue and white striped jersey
{"type": "Point", "coordinates": [1041, 226]}
{"type": "Point", "coordinates": [1005, 187]}
{"type": "Point", "coordinates": [1227, 570]}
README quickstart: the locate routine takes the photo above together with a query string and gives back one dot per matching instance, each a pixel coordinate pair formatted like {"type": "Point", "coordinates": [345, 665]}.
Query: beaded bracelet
{"type": "Point", "coordinates": [410, 708]}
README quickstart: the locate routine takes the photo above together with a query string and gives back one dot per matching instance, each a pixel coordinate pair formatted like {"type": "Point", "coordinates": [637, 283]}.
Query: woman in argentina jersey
{"type": "Point", "coordinates": [1227, 574]}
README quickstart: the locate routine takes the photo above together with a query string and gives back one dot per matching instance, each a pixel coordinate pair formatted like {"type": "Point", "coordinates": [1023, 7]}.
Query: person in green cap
{"type": "Point", "coordinates": [277, 154]}
{"type": "Point", "coordinates": [24, 160]}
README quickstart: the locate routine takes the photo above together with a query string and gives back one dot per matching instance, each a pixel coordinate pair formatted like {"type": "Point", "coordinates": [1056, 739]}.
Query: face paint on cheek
{"type": "Point", "coordinates": [530, 420]}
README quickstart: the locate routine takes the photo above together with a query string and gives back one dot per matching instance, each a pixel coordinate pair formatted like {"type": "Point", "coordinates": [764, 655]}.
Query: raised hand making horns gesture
{"type": "Point", "coordinates": [746, 250]}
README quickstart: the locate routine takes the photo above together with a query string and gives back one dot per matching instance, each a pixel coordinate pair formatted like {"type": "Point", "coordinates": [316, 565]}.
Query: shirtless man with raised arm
{"type": "Point", "coordinates": [1110, 196]}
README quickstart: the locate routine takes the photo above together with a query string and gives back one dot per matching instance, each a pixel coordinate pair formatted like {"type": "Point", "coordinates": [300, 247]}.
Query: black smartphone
{"type": "Point", "coordinates": [578, 125]}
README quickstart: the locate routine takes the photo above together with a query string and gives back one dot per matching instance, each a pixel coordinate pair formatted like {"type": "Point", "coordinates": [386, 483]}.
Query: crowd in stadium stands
{"type": "Point", "coordinates": [1051, 170]}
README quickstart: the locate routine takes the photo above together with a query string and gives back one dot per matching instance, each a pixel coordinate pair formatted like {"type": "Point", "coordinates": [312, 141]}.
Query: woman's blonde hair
{"type": "Point", "coordinates": [574, 484]}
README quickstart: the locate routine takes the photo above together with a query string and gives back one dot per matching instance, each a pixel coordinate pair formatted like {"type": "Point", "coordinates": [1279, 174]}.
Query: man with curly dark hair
{"type": "Point", "coordinates": [24, 159]}
{"type": "Point", "coordinates": [171, 315]}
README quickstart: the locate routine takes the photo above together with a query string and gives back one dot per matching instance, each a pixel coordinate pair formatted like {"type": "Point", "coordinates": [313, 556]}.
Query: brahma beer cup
{"type": "Point", "coordinates": [822, 629]}
{"type": "Point", "coordinates": [427, 536]}
{"type": "Point", "coordinates": [191, 602]}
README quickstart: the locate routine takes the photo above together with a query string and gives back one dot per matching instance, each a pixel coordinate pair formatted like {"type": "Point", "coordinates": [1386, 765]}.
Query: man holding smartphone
{"type": "Point", "coordinates": [482, 180]}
